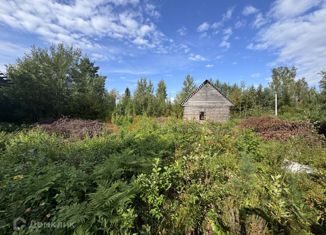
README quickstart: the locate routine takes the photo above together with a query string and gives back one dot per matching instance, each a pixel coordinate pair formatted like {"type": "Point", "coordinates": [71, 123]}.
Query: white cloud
{"type": "Point", "coordinates": [207, 30]}
{"type": "Point", "coordinates": [8, 48]}
{"type": "Point", "coordinates": [132, 71]}
{"type": "Point", "coordinates": [196, 57]}
{"type": "Point", "coordinates": [291, 8]}
{"type": "Point", "coordinates": [297, 40]}
{"type": "Point", "coordinates": [80, 22]}
{"type": "Point", "coordinates": [216, 25]}
{"type": "Point", "coordinates": [203, 27]}
{"type": "Point", "coordinates": [182, 31]}
{"type": "Point", "coordinates": [228, 14]}
{"type": "Point", "coordinates": [97, 56]}
{"type": "Point", "coordinates": [184, 48]}
{"type": "Point", "coordinates": [227, 33]}
{"type": "Point", "coordinates": [226, 36]}
{"type": "Point", "coordinates": [259, 20]}
{"type": "Point", "coordinates": [255, 75]}
{"type": "Point", "coordinates": [225, 44]}
{"type": "Point", "coordinates": [9, 52]}
{"type": "Point", "coordinates": [151, 10]}
{"type": "Point", "coordinates": [209, 65]}
{"type": "Point", "coordinates": [123, 2]}
{"type": "Point", "coordinates": [249, 10]}
{"type": "Point", "coordinates": [239, 24]}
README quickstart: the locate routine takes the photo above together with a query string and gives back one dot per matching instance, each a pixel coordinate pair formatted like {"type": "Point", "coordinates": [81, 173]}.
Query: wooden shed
{"type": "Point", "coordinates": [206, 103]}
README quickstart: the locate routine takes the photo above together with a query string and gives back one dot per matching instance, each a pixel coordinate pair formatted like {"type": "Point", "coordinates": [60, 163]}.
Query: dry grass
{"type": "Point", "coordinates": [74, 128]}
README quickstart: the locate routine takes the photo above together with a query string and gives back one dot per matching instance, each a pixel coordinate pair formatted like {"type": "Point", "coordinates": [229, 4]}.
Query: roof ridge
{"type": "Point", "coordinates": [201, 85]}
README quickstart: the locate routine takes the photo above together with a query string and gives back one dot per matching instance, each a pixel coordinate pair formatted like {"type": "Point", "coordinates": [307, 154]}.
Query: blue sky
{"type": "Point", "coordinates": [229, 40]}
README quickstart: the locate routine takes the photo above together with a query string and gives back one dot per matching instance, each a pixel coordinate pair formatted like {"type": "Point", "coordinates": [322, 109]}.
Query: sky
{"type": "Point", "coordinates": [233, 41]}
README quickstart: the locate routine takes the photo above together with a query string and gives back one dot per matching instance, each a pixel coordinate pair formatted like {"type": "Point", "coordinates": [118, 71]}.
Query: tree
{"type": "Point", "coordinates": [267, 98]}
{"type": "Point", "coordinates": [323, 89]}
{"type": "Point", "coordinates": [55, 82]}
{"type": "Point", "coordinates": [301, 92]}
{"type": "Point", "coordinates": [161, 96]}
{"type": "Point", "coordinates": [144, 98]}
{"type": "Point", "coordinates": [236, 96]}
{"type": "Point", "coordinates": [88, 91]}
{"type": "Point", "coordinates": [127, 94]}
{"type": "Point", "coordinates": [188, 87]}
{"type": "Point", "coordinates": [110, 102]}
{"type": "Point", "coordinates": [125, 106]}
{"type": "Point", "coordinates": [323, 82]}
{"type": "Point", "coordinates": [249, 99]}
{"type": "Point", "coordinates": [150, 99]}
{"type": "Point", "coordinates": [283, 83]}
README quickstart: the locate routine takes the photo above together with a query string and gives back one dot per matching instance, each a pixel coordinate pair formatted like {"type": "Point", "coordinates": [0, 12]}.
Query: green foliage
{"type": "Point", "coordinates": [282, 83]}
{"type": "Point", "coordinates": [125, 107]}
{"type": "Point", "coordinates": [144, 102]}
{"type": "Point", "coordinates": [323, 90]}
{"type": "Point", "coordinates": [144, 97]}
{"type": "Point", "coordinates": [51, 83]}
{"type": "Point", "coordinates": [121, 120]}
{"type": "Point", "coordinates": [153, 188]}
{"type": "Point", "coordinates": [161, 178]}
{"type": "Point", "coordinates": [295, 97]}
{"type": "Point", "coordinates": [188, 87]}
{"type": "Point", "coordinates": [161, 96]}
{"type": "Point", "coordinates": [106, 210]}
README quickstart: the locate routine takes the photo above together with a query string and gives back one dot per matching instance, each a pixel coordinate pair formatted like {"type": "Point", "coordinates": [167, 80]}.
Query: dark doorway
{"type": "Point", "coordinates": [202, 116]}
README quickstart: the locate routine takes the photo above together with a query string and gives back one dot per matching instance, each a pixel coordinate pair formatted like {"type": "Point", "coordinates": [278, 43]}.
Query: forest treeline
{"type": "Point", "coordinates": [61, 81]}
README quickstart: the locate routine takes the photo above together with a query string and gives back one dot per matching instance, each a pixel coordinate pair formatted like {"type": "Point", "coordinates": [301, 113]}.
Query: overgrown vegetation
{"type": "Point", "coordinates": [136, 174]}
{"type": "Point", "coordinates": [154, 177]}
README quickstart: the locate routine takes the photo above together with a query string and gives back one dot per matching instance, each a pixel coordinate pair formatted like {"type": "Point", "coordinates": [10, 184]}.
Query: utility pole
{"type": "Point", "coordinates": [275, 103]}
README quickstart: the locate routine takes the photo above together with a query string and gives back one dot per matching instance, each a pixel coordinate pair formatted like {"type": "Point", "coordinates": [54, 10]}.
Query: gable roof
{"type": "Point", "coordinates": [200, 87]}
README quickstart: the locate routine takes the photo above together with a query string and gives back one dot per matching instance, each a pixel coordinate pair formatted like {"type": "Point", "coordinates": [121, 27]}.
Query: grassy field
{"type": "Point", "coordinates": [162, 177]}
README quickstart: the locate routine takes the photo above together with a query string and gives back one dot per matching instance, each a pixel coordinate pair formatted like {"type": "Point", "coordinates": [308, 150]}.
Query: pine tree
{"type": "Point", "coordinates": [144, 98]}
{"type": "Point", "coordinates": [188, 87]}
{"type": "Point", "coordinates": [127, 94]}
{"type": "Point", "coordinates": [161, 96]}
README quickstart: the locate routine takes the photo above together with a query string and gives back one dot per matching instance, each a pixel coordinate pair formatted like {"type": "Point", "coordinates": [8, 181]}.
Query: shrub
{"type": "Point", "coordinates": [154, 177]}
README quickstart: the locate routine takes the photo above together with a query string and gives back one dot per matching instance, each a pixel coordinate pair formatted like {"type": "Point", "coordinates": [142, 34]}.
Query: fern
{"type": "Point", "coordinates": [74, 214]}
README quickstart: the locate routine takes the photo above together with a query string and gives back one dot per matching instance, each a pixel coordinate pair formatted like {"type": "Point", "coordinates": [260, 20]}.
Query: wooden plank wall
{"type": "Point", "coordinates": [210, 101]}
